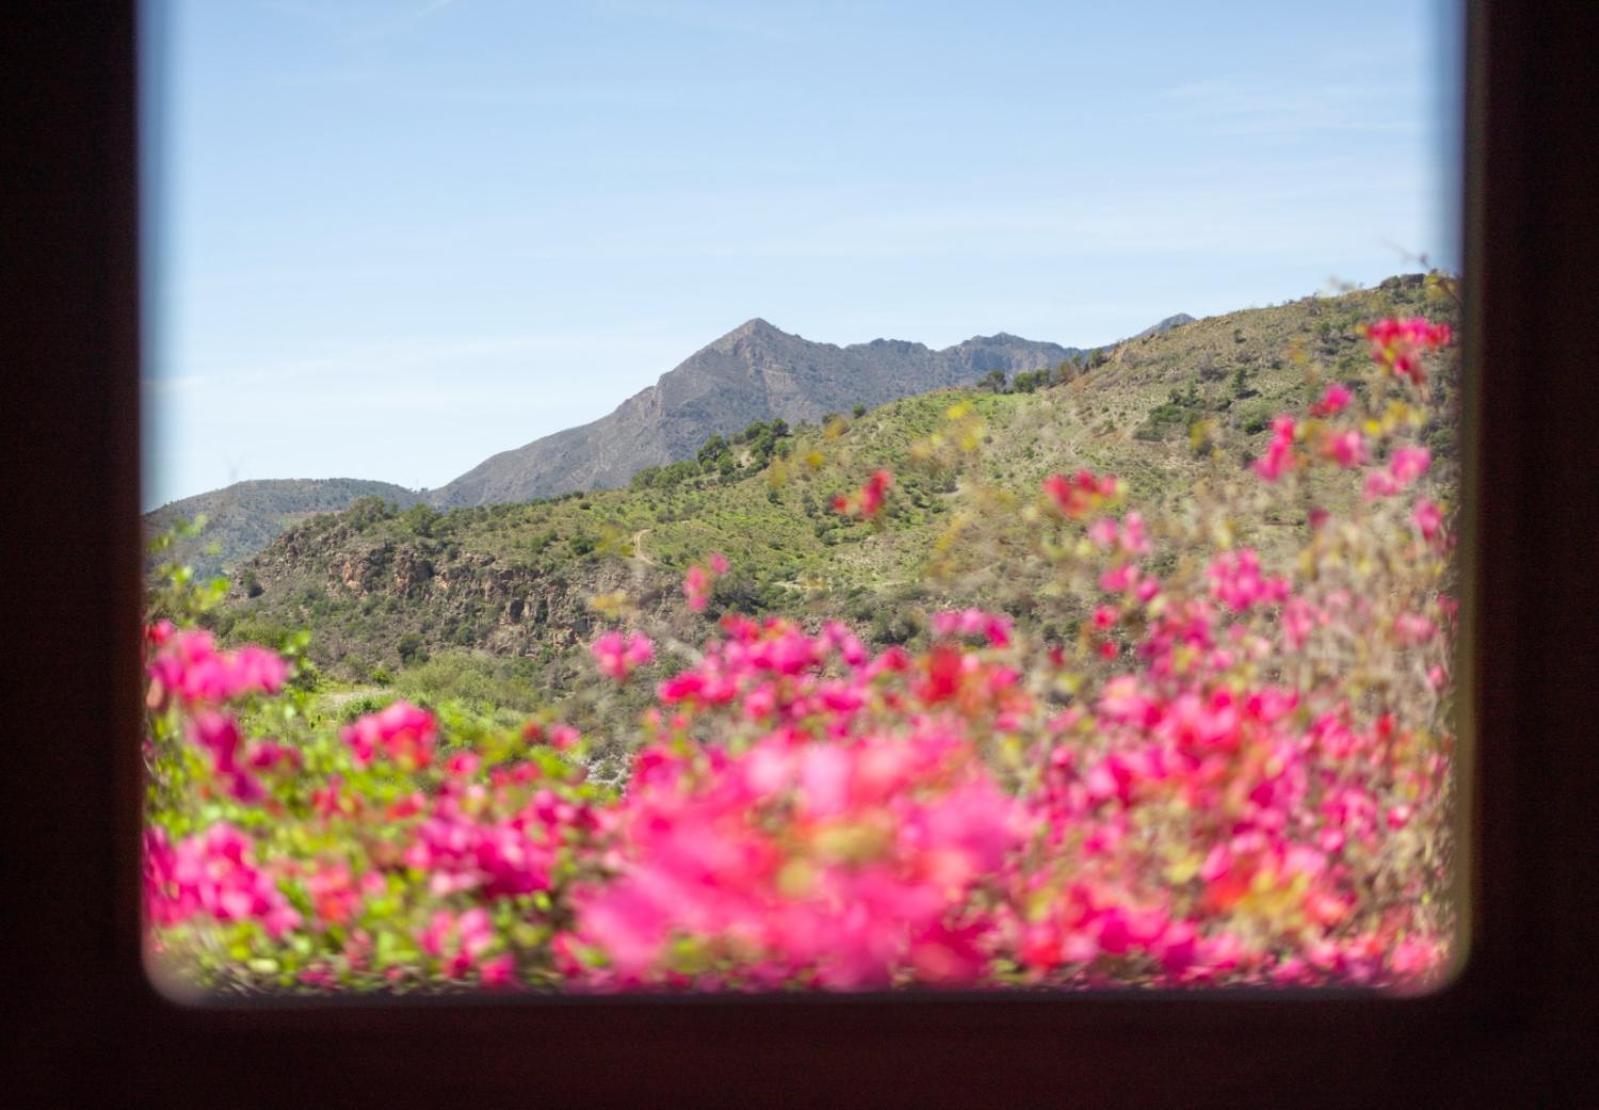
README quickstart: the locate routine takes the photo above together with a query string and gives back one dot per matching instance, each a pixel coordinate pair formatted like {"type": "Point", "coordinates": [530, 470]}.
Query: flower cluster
{"type": "Point", "coordinates": [1404, 467]}
{"type": "Point", "coordinates": [1280, 456]}
{"type": "Point", "coordinates": [838, 863]}
{"type": "Point", "coordinates": [402, 734]}
{"type": "Point", "coordinates": [213, 873]}
{"type": "Point", "coordinates": [699, 579]}
{"type": "Point", "coordinates": [618, 655]}
{"type": "Point", "coordinates": [867, 501]}
{"type": "Point", "coordinates": [1083, 493]}
{"type": "Point", "coordinates": [1399, 344]}
{"type": "Point", "coordinates": [995, 628]}
{"type": "Point", "coordinates": [186, 667]}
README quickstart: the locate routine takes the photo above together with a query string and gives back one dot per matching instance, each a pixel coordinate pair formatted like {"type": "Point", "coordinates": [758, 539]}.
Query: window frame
{"type": "Point", "coordinates": [93, 1029]}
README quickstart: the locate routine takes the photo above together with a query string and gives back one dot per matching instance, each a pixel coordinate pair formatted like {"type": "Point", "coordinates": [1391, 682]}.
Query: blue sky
{"type": "Point", "coordinates": [391, 237]}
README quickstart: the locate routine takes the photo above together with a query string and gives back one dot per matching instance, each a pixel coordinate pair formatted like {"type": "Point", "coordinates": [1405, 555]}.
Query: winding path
{"type": "Point", "coordinates": [638, 547]}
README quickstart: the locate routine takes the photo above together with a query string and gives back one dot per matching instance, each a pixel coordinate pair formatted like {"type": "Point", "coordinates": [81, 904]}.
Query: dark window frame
{"type": "Point", "coordinates": [84, 1027]}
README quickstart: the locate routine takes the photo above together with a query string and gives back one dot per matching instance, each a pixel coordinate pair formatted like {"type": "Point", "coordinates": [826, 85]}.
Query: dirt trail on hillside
{"type": "Point", "coordinates": [638, 547]}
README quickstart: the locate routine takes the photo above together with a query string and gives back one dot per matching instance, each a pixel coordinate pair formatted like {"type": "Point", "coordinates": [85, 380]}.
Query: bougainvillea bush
{"type": "Point", "coordinates": [1236, 770]}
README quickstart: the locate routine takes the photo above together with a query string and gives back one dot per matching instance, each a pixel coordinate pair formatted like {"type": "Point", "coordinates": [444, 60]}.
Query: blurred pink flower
{"type": "Point", "coordinates": [1279, 458]}
{"type": "Point", "coordinates": [402, 733]}
{"type": "Point", "coordinates": [618, 656]}
{"type": "Point", "coordinates": [1332, 402]}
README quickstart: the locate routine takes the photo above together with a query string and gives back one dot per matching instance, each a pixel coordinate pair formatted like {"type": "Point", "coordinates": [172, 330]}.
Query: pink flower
{"type": "Point", "coordinates": [268, 755]}
{"type": "Point", "coordinates": [1083, 493]}
{"type": "Point", "coordinates": [1120, 579]}
{"type": "Point", "coordinates": [619, 656]}
{"type": "Point", "coordinates": [697, 588]}
{"type": "Point", "coordinates": [500, 971]}
{"type": "Point", "coordinates": [1379, 483]}
{"type": "Point", "coordinates": [401, 733]}
{"type": "Point", "coordinates": [1428, 518]}
{"type": "Point", "coordinates": [1300, 618]}
{"type": "Point", "coordinates": [189, 669]}
{"type": "Point", "coordinates": [1279, 458]}
{"type": "Point", "coordinates": [699, 579]}
{"type": "Point", "coordinates": [840, 864]}
{"type": "Point", "coordinates": [1236, 581]}
{"type": "Point", "coordinates": [1408, 464]}
{"type": "Point", "coordinates": [462, 765]}
{"type": "Point", "coordinates": [867, 501]}
{"type": "Point", "coordinates": [458, 941]}
{"type": "Point", "coordinates": [1399, 344]}
{"type": "Point", "coordinates": [1333, 402]}
{"type": "Point", "coordinates": [212, 874]}
{"type": "Point", "coordinates": [1347, 448]}
{"type": "Point", "coordinates": [218, 734]}
{"type": "Point", "coordinates": [995, 627]}
{"type": "Point", "coordinates": [1413, 628]}
{"type": "Point", "coordinates": [335, 897]}
{"type": "Point", "coordinates": [1134, 540]}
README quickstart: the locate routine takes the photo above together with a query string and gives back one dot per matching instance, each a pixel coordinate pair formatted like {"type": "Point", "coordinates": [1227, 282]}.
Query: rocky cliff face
{"type": "Point", "coordinates": [755, 372]}
{"type": "Point", "coordinates": [367, 592]}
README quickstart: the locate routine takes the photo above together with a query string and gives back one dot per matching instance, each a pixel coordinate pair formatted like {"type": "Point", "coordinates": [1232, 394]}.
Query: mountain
{"type": "Point", "coordinates": [1166, 325]}
{"type": "Point", "coordinates": [755, 372]}
{"type": "Point", "coordinates": [246, 516]}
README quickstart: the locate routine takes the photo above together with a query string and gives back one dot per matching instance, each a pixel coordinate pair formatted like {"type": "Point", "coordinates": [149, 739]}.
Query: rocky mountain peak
{"type": "Point", "coordinates": [756, 372]}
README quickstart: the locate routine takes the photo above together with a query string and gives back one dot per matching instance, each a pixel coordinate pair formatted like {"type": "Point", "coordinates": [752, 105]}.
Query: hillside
{"type": "Point", "coordinates": [501, 594]}
{"type": "Point", "coordinates": [753, 373]}
{"type": "Point", "coordinates": [246, 516]}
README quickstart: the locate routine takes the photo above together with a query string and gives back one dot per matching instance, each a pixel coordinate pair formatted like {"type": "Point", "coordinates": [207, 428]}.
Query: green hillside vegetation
{"type": "Point", "coordinates": [494, 606]}
{"type": "Point", "coordinates": [246, 516]}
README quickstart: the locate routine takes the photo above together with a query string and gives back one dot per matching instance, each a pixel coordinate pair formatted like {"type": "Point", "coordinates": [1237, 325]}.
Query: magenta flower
{"type": "Point", "coordinates": [1408, 464]}
{"type": "Point", "coordinates": [618, 656]}
{"type": "Point", "coordinates": [459, 941]}
{"type": "Point", "coordinates": [1236, 581]}
{"type": "Point", "coordinates": [867, 501]}
{"type": "Point", "coordinates": [994, 627]}
{"type": "Point", "coordinates": [212, 874]}
{"type": "Point", "coordinates": [1332, 402]}
{"type": "Point", "coordinates": [1279, 458]}
{"type": "Point", "coordinates": [1428, 518]}
{"type": "Point", "coordinates": [1399, 344]}
{"type": "Point", "coordinates": [697, 581]}
{"type": "Point", "coordinates": [1083, 493]}
{"type": "Point", "coordinates": [218, 734]}
{"type": "Point", "coordinates": [188, 668]}
{"type": "Point", "coordinates": [402, 733]}
{"type": "Point", "coordinates": [1347, 449]}
{"type": "Point", "coordinates": [1199, 783]}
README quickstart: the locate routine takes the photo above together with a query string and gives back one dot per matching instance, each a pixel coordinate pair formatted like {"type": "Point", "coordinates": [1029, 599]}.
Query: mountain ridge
{"type": "Point", "coordinates": [755, 372]}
